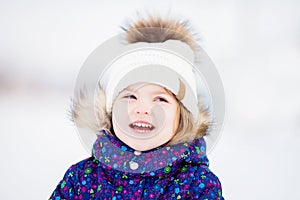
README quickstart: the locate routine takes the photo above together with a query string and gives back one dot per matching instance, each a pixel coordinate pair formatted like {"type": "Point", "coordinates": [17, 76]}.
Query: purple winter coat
{"type": "Point", "coordinates": [168, 172]}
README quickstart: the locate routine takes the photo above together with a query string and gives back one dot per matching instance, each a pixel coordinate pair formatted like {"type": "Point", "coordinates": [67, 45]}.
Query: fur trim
{"type": "Point", "coordinates": [197, 130]}
{"type": "Point", "coordinates": [203, 124]}
{"type": "Point", "coordinates": [165, 29]}
{"type": "Point", "coordinates": [91, 115]}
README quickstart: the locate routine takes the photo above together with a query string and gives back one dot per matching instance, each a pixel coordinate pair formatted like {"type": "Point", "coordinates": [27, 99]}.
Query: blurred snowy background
{"type": "Point", "coordinates": [255, 45]}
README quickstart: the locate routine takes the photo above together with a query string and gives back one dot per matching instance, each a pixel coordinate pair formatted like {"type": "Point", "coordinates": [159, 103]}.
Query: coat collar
{"type": "Point", "coordinates": [114, 154]}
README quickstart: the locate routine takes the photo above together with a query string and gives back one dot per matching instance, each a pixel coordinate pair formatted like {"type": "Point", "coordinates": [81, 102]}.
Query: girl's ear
{"type": "Point", "coordinates": [89, 114]}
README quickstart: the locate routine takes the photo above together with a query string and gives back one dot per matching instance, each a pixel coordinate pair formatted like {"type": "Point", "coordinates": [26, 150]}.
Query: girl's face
{"type": "Point", "coordinates": [145, 116]}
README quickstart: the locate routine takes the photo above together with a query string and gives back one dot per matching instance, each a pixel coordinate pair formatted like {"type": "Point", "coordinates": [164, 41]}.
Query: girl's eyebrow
{"type": "Point", "coordinates": [153, 93]}
{"type": "Point", "coordinates": [161, 93]}
{"type": "Point", "coordinates": [125, 90]}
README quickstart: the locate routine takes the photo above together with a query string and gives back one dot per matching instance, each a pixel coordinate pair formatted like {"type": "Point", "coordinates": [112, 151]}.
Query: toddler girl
{"type": "Point", "coordinates": [148, 118]}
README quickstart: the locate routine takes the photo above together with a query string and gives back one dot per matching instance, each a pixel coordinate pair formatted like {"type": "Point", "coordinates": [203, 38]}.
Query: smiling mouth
{"type": "Point", "coordinates": [141, 127]}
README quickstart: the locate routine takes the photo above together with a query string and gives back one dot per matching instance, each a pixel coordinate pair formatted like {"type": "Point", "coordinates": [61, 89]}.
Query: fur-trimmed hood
{"type": "Point", "coordinates": [92, 115]}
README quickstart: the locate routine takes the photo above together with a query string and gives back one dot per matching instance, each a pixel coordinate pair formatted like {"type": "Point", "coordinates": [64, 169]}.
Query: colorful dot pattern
{"type": "Point", "coordinates": [101, 177]}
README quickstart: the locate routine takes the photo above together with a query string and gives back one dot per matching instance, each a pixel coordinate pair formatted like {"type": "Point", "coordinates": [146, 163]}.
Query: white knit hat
{"type": "Point", "coordinates": [169, 64]}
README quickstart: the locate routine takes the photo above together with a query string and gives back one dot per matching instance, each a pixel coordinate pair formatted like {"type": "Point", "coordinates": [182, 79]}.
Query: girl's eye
{"type": "Point", "coordinates": [160, 99]}
{"type": "Point", "coordinates": [130, 96]}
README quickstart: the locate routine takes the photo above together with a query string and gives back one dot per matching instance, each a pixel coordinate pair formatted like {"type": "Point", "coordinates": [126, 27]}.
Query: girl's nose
{"type": "Point", "coordinates": [142, 109]}
{"type": "Point", "coordinates": [142, 112]}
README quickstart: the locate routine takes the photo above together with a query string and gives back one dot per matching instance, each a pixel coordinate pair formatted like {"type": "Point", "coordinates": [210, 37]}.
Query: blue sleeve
{"type": "Point", "coordinates": [206, 186]}
{"type": "Point", "coordinates": [65, 188]}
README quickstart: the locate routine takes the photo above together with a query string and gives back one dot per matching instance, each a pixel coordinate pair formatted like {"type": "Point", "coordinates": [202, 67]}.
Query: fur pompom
{"type": "Point", "coordinates": [155, 29]}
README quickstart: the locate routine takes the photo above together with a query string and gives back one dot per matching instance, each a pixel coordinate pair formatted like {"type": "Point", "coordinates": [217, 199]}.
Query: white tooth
{"type": "Point", "coordinates": [142, 125]}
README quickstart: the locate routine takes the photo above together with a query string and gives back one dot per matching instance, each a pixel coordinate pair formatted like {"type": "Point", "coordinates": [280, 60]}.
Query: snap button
{"type": "Point", "coordinates": [137, 153]}
{"type": "Point", "coordinates": [133, 165]}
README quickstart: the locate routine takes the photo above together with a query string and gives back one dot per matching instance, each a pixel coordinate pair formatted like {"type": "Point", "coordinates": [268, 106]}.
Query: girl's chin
{"type": "Point", "coordinates": [140, 134]}
{"type": "Point", "coordinates": [141, 149]}
{"type": "Point", "coordinates": [142, 140]}
{"type": "Point", "coordinates": [139, 144]}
